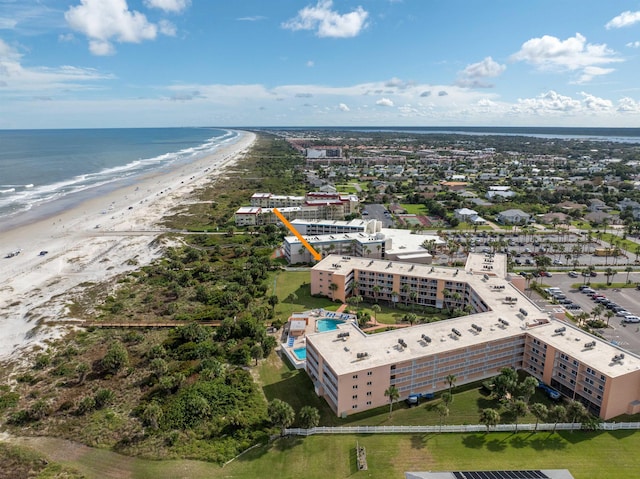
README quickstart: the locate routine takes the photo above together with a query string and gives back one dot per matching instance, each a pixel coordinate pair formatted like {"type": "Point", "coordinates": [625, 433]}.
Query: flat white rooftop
{"type": "Point", "coordinates": [383, 348]}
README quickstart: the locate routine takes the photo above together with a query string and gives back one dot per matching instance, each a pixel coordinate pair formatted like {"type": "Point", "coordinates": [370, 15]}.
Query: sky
{"type": "Point", "coordinates": [243, 63]}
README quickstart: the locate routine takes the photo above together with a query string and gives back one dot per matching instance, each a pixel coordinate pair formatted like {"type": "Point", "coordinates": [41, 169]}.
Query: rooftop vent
{"type": "Point", "coordinates": [426, 338]}
{"type": "Point", "coordinates": [618, 358]}
{"type": "Point", "coordinates": [560, 330]}
{"type": "Point", "coordinates": [476, 327]}
{"type": "Point", "coordinates": [456, 332]}
{"type": "Point", "coordinates": [362, 355]}
{"type": "Point", "coordinates": [402, 343]}
{"type": "Point", "coordinates": [344, 335]}
{"type": "Point", "coordinates": [504, 322]}
{"type": "Point", "coordinates": [523, 312]}
{"type": "Point", "coordinates": [590, 345]}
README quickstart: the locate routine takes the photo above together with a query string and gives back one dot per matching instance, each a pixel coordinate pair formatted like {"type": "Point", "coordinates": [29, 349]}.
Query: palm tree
{"type": "Point", "coordinates": [609, 272]}
{"type": "Point", "coordinates": [609, 314]}
{"type": "Point", "coordinates": [518, 408]}
{"type": "Point", "coordinates": [376, 291]}
{"type": "Point", "coordinates": [540, 411]}
{"type": "Point", "coordinates": [451, 381]}
{"type": "Point", "coordinates": [333, 287]}
{"type": "Point", "coordinates": [489, 417]}
{"type": "Point", "coordinates": [576, 411]}
{"type": "Point", "coordinates": [556, 414]}
{"type": "Point", "coordinates": [628, 270]}
{"type": "Point", "coordinates": [443, 412]}
{"type": "Point", "coordinates": [393, 394]}
{"type": "Point", "coordinates": [376, 309]}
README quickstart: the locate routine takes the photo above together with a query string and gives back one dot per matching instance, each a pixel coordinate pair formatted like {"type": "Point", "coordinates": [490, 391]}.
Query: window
{"type": "Point", "coordinates": [368, 403]}
{"type": "Point", "coordinates": [368, 393]}
{"type": "Point", "coordinates": [355, 386]}
{"type": "Point", "coordinates": [369, 373]}
{"type": "Point", "coordinates": [355, 396]}
{"type": "Point", "coordinates": [369, 383]}
{"type": "Point", "coordinates": [355, 376]}
{"type": "Point", "coordinates": [355, 406]}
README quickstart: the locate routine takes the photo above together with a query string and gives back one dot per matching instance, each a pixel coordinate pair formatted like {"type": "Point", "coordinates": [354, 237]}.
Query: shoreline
{"type": "Point", "coordinates": [91, 242]}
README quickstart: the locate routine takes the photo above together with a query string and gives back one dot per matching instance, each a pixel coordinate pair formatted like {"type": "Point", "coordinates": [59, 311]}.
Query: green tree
{"type": "Point", "coordinates": [576, 411]}
{"type": "Point", "coordinates": [556, 414]}
{"type": "Point", "coordinates": [518, 409]}
{"type": "Point", "coordinates": [446, 398]}
{"type": "Point", "coordinates": [376, 309]}
{"type": "Point", "coordinates": [451, 381]}
{"type": "Point", "coordinates": [158, 367]}
{"type": "Point", "coordinates": [281, 414]}
{"type": "Point", "coordinates": [527, 388]}
{"type": "Point", "coordinates": [309, 417]}
{"type": "Point", "coordinates": [489, 417]}
{"type": "Point", "coordinates": [393, 394]}
{"type": "Point", "coordinates": [257, 352]}
{"type": "Point", "coordinates": [443, 412]}
{"type": "Point", "coordinates": [115, 358]}
{"type": "Point", "coordinates": [540, 411]}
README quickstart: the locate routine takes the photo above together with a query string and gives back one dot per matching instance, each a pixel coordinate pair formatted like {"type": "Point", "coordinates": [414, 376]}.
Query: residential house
{"type": "Point", "coordinates": [513, 217]}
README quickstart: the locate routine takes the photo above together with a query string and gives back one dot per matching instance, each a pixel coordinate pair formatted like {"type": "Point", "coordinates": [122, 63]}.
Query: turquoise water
{"type": "Point", "coordinates": [301, 353]}
{"type": "Point", "coordinates": [328, 324]}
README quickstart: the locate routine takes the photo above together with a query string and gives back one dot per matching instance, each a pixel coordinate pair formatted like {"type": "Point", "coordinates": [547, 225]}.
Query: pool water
{"type": "Point", "coordinates": [328, 324]}
{"type": "Point", "coordinates": [300, 353]}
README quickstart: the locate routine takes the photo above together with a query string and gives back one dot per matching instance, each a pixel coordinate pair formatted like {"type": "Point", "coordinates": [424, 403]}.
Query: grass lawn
{"type": "Point", "coordinates": [418, 209]}
{"type": "Point", "coordinates": [297, 282]}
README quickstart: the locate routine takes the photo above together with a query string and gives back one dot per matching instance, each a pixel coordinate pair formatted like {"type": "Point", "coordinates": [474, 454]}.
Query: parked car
{"type": "Point", "coordinates": [593, 274]}
{"type": "Point", "coordinates": [573, 274]}
{"type": "Point", "coordinates": [623, 314]}
{"type": "Point", "coordinates": [631, 319]}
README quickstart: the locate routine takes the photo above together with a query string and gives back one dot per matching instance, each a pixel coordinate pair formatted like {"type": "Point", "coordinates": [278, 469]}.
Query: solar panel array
{"type": "Point", "coordinates": [500, 475]}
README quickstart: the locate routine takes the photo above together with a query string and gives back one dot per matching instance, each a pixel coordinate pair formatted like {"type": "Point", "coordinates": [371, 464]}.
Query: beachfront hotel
{"type": "Point", "coordinates": [352, 369]}
{"type": "Point", "coordinates": [314, 205]}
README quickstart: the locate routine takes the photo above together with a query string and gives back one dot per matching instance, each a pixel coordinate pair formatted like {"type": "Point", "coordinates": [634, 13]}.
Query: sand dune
{"type": "Point", "coordinates": [90, 243]}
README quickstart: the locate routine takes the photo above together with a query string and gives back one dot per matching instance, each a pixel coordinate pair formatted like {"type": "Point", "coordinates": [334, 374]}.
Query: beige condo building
{"type": "Point", "coordinates": [352, 370]}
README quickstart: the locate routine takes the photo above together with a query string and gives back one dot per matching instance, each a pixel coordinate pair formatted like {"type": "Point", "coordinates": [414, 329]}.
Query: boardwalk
{"type": "Point", "coordinates": [143, 325]}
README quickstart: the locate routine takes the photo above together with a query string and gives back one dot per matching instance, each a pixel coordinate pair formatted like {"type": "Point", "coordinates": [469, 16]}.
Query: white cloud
{"type": "Point", "coordinates": [310, 63]}
{"type": "Point", "coordinates": [327, 22]}
{"type": "Point", "coordinates": [635, 44]}
{"type": "Point", "coordinates": [255, 18]}
{"type": "Point", "coordinates": [628, 105]}
{"type": "Point", "coordinates": [384, 102]}
{"type": "Point", "coordinates": [473, 75]}
{"type": "Point", "coordinates": [104, 21]}
{"type": "Point", "coordinates": [17, 78]}
{"type": "Point", "coordinates": [594, 103]}
{"type": "Point", "coordinates": [343, 107]}
{"type": "Point", "coordinates": [546, 103]}
{"type": "Point", "coordinates": [572, 54]}
{"type": "Point", "coordinates": [589, 73]}
{"type": "Point", "coordinates": [625, 19]}
{"type": "Point", "coordinates": [174, 6]}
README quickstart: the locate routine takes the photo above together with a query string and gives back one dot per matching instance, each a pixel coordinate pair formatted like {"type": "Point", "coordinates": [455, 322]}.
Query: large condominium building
{"type": "Point", "coordinates": [352, 370]}
{"type": "Point", "coordinates": [314, 205]}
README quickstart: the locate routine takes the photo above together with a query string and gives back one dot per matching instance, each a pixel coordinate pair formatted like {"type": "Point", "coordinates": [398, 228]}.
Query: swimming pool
{"type": "Point", "coordinates": [300, 353]}
{"type": "Point", "coordinates": [328, 324]}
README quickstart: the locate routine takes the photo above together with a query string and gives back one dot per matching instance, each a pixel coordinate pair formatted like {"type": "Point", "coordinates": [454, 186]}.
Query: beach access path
{"type": "Point", "coordinates": [90, 243]}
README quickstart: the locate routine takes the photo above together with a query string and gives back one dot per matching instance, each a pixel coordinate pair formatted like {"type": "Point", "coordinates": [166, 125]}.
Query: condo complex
{"type": "Point", "coordinates": [502, 328]}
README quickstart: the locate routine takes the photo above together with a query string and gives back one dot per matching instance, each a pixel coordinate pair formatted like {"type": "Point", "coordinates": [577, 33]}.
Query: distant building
{"type": "Point", "coordinates": [513, 217]}
{"type": "Point", "coordinates": [467, 215]}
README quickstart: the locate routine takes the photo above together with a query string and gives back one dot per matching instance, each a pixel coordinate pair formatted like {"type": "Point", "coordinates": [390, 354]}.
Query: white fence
{"type": "Point", "coordinates": [606, 426]}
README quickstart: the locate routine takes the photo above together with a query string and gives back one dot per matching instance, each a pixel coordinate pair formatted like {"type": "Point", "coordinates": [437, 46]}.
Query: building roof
{"type": "Point", "coordinates": [493, 287]}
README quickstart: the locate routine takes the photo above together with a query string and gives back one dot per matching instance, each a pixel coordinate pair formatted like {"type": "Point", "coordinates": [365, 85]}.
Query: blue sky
{"type": "Point", "coordinates": [135, 63]}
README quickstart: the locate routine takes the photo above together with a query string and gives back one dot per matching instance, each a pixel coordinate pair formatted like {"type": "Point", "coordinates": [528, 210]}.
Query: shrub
{"type": "Point", "coordinates": [87, 404]}
{"type": "Point", "coordinates": [103, 397]}
{"type": "Point", "coordinates": [116, 358]}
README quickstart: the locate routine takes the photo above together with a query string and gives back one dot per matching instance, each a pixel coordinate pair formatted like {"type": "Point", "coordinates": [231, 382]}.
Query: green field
{"type": "Point", "coordinates": [587, 455]}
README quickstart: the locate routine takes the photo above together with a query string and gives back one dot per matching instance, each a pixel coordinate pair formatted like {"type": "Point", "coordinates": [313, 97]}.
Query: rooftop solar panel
{"type": "Point", "coordinates": [532, 474]}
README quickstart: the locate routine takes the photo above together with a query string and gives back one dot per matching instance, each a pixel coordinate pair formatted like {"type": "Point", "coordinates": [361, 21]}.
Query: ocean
{"type": "Point", "coordinates": [43, 172]}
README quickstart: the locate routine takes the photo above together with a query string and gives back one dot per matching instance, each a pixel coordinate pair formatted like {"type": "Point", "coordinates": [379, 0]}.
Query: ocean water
{"type": "Point", "coordinates": [45, 171]}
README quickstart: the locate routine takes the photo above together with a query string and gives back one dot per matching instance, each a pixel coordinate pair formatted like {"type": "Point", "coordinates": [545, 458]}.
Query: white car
{"type": "Point", "coordinates": [631, 319]}
{"type": "Point", "coordinates": [623, 313]}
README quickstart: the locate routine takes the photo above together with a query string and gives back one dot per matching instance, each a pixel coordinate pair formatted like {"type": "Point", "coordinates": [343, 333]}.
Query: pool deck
{"type": "Point", "coordinates": [314, 316]}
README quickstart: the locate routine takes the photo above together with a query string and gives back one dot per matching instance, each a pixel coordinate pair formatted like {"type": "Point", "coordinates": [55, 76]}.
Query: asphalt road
{"type": "Point", "coordinates": [625, 335]}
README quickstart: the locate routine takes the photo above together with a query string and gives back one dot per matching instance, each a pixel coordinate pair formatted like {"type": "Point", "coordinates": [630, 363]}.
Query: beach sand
{"type": "Point", "coordinates": [91, 242]}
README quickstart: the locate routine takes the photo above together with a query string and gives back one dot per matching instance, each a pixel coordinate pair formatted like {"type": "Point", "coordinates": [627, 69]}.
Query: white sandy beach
{"type": "Point", "coordinates": [91, 243]}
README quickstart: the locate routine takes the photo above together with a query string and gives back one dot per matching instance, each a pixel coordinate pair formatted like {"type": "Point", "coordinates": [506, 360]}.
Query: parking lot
{"type": "Point", "coordinates": [625, 335]}
{"type": "Point", "coordinates": [377, 212]}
